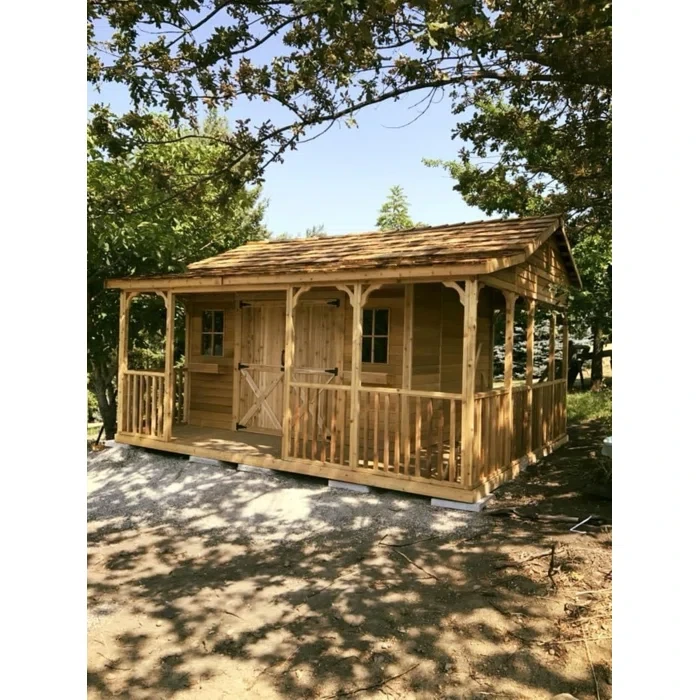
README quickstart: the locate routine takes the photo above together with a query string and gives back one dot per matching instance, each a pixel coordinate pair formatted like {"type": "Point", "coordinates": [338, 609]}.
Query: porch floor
{"type": "Point", "coordinates": [229, 442]}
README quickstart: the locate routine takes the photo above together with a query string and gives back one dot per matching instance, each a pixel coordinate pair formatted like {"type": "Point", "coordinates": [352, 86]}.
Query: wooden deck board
{"type": "Point", "coordinates": [229, 441]}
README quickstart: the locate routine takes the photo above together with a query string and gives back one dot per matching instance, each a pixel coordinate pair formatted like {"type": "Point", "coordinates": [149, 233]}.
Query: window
{"type": "Point", "coordinates": [375, 335]}
{"type": "Point", "coordinates": [213, 333]}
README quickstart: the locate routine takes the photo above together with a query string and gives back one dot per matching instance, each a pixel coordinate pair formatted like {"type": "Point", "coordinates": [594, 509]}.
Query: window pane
{"type": "Point", "coordinates": [219, 321]}
{"type": "Point", "coordinates": [206, 344]}
{"type": "Point", "coordinates": [206, 321]}
{"type": "Point", "coordinates": [367, 349]}
{"type": "Point", "coordinates": [367, 322]}
{"type": "Point", "coordinates": [381, 322]}
{"type": "Point", "coordinates": [218, 344]}
{"type": "Point", "coordinates": [380, 350]}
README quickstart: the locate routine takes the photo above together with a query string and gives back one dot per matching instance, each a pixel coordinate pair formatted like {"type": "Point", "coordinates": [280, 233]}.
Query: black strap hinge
{"type": "Point", "coordinates": [242, 366]}
{"type": "Point", "coordinates": [240, 426]}
{"type": "Point", "coordinates": [333, 371]}
{"type": "Point", "coordinates": [334, 302]}
{"type": "Point", "coordinates": [243, 304]}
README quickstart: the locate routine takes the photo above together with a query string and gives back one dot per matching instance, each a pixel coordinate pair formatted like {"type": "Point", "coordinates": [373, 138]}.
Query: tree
{"type": "Point", "coordinates": [394, 212]}
{"type": "Point", "coordinates": [319, 62]}
{"type": "Point", "coordinates": [136, 227]}
{"type": "Point", "coordinates": [531, 80]}
{"type": "Point", "coordinates": [316, 231]}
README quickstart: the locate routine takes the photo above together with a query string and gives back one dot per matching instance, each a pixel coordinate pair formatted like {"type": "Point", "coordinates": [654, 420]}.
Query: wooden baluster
{"type": "Point", "coordinates": [297, 413]}
{"type": "Point", "coordinates": [134, 402]}
{"type": "Point", "coordinates": [387, 400]}
{"type": "Point", "coordinates": [314, 424]}
{"type": "Point", "coordinates": [305, 427]}
{"type": "Point", "coordinates": [397, 437]}
{"type": "Point", "coordinates": [375, 454]}
{"type": "Point", "coordinates": [406, 423]}
{"type": "Point", "coordinates": [334, 425]}
{"type": "Point", "coordinates": [140, 414]}
{"type": "Point", "coordinates": [365, 442]}
{"type": "Point", "coordinates": [419, 428]}
{"type": "Point", "coordinates": [452, 463]}
{"type": "Point", "coordinates": [323, 412]}
{"type": "Point", "coordinates": [429, 437]}
{"type": "Point", "coordinates": [440, 438]}
{"type": "Point", "coordinates": [341, 418]}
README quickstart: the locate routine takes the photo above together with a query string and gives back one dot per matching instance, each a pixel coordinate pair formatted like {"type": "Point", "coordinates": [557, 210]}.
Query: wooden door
{"type": "Point", "coordinates": [317, 350]}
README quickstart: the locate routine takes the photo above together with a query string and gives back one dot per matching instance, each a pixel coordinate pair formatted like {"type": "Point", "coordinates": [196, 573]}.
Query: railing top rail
{"type": "Point", "coordinates": [411, 392]}
{"type": "Point", "coordinates": [144, 372]}
{"type": "Point", "coordinates": [312, 385]}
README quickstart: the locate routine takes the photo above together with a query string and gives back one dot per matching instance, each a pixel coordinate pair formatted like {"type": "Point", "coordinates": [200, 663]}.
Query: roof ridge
{"type": "Point", "coordinates": [414, 229]}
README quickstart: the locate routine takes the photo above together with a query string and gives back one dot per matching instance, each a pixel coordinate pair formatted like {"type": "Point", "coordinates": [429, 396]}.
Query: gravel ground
{"type": "Point", "coordinates": [133, 487]}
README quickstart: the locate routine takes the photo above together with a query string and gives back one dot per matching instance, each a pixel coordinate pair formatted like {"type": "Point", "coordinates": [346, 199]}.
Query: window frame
{"type": "Point", "coordinates": [213, 333]}
{"type": "Point", "coordinates": [372, 336]}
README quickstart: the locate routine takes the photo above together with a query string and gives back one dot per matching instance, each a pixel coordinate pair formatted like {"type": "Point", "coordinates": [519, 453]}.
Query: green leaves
{"type": "Point", "coordinates": [394, 212]}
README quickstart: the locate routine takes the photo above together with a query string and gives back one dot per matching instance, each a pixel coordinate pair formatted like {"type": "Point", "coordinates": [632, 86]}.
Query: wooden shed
{"type": "Point", "coordinates": [366, 358]}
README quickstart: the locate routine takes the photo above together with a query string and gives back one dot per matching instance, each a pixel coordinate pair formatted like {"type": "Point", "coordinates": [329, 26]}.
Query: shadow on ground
{"type": "Point", "coordinates": [211, 583]}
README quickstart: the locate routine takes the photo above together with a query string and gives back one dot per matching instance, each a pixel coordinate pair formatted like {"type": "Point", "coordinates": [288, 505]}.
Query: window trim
{"type": "Point", "coordinates": [212, 332]}
{"type": "Point", "coordinates": [373, 335]}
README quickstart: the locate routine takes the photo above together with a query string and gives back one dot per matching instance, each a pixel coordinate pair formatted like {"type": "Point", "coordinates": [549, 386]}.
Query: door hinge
{"type": "Point", "coordinates": [334, 371]}
{"type": "Point", "coordinates": [243, 304]}
{"type": "Point", "coordinates": [334, 302]}
{"type": "Point", "coordinates": [242, 366]}
{"type": "Point", "coordinates": [240, 426]}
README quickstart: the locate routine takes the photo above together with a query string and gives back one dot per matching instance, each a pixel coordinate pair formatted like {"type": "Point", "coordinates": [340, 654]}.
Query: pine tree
{"type": "Point", "coordinates": [394, 212]}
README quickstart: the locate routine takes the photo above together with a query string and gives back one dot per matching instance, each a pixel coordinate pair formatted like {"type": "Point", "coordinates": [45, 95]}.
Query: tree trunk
{"type": "Point", "coordinates": [102, 383]}
{"type": "Point", "coordinates": [597, 358]}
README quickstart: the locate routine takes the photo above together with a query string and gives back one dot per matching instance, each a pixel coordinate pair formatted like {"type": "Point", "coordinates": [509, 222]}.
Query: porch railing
{"type": "Point", "coordinates": [401, 433]}
{"type": "Point", "coordinates": [143, 402]}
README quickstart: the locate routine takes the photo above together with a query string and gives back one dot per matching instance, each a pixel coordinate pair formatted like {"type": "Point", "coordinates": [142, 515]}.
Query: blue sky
{"type": "Point", "coordinates": [341, 179]}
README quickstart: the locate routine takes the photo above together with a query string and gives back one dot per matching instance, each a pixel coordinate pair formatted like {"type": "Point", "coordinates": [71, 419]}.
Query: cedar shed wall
{"type": "Point", "coordinates": [437, 346]}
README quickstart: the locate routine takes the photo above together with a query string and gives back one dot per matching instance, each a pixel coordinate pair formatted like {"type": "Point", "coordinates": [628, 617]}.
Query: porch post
{"type": "Point", "coordinates": [508, 369]}
{"type": "Point", "coordinates": [407, 369]}
{"type": "Point", "coordinates": [529, 372]}
{"type": "Point", "coordinates": [355, 375]}
{"type": "Point", "coordinates": [470, 302]}
{"type": "Point", "coordinates": [552, 370]}
{"type": "Point", "coordinates": [565, 364]}
{"type": "Point", "coordinates": [169, 374]}
{"type": "Point", "coordinates": [122, 358]}
{"type": "Point", "coordinates": [288, 364]}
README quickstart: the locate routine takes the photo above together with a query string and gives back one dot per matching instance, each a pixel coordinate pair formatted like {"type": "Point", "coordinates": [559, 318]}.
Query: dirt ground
{"type": "Point", "coordinates": [204, 582]}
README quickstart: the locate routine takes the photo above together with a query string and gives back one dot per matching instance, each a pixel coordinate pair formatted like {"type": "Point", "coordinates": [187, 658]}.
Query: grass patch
{"type": "Point", "coordinates": [589, 405]}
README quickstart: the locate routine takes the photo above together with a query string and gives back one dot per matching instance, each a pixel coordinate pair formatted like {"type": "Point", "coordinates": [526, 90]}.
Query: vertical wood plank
{"type": "Point", "coordinates": [397, 437]}
{"type": "Point", "coordinates": [452, 468]}
{"type": "Point", "coordinates": [419, 428]}
{"type": "Point", "coordinates": [313, 408]}
{"type": "Point", "coordinates": [365, 434]}
{"type": "Point", "coordinates": [440, 438]}
{"type": "Point", "coordinates": [387, 400]}
{"type": "Point", "coordinates": [470, 301]}
{"type": "Point", "coordinates": [407, 356]}
{"type": "Point", "coordinates": [134, 402]}
{"type": "Point", "coordinates": [508, 375]}
{"type": "Point", "coordinates": [169, 349]}
{"type": "Point", "coordinates": [552, 372]}
{"type": "Point", "coordinates": [375, 453]}
{"type": "Point", "coordinates": [123, 406]}
{"type": "Point", "coordinates": [288, 365]}
{"type": "Point", "coordinates": [341, 441]}
{"type": "Point", "coordinates": [565, 370]}
{"type": "Point", "coordinates": [430, 419]}
{"type": "Point", "coordinates": [186, 372]}
{"type": "Point", "coordinates": [529, 374]}
{"type": "Point", "coordinates": [333, 401]}
{"type": "Point", "coordinates": [355, 374]}
{"type": "Point", "coordinates": [305, 421]}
